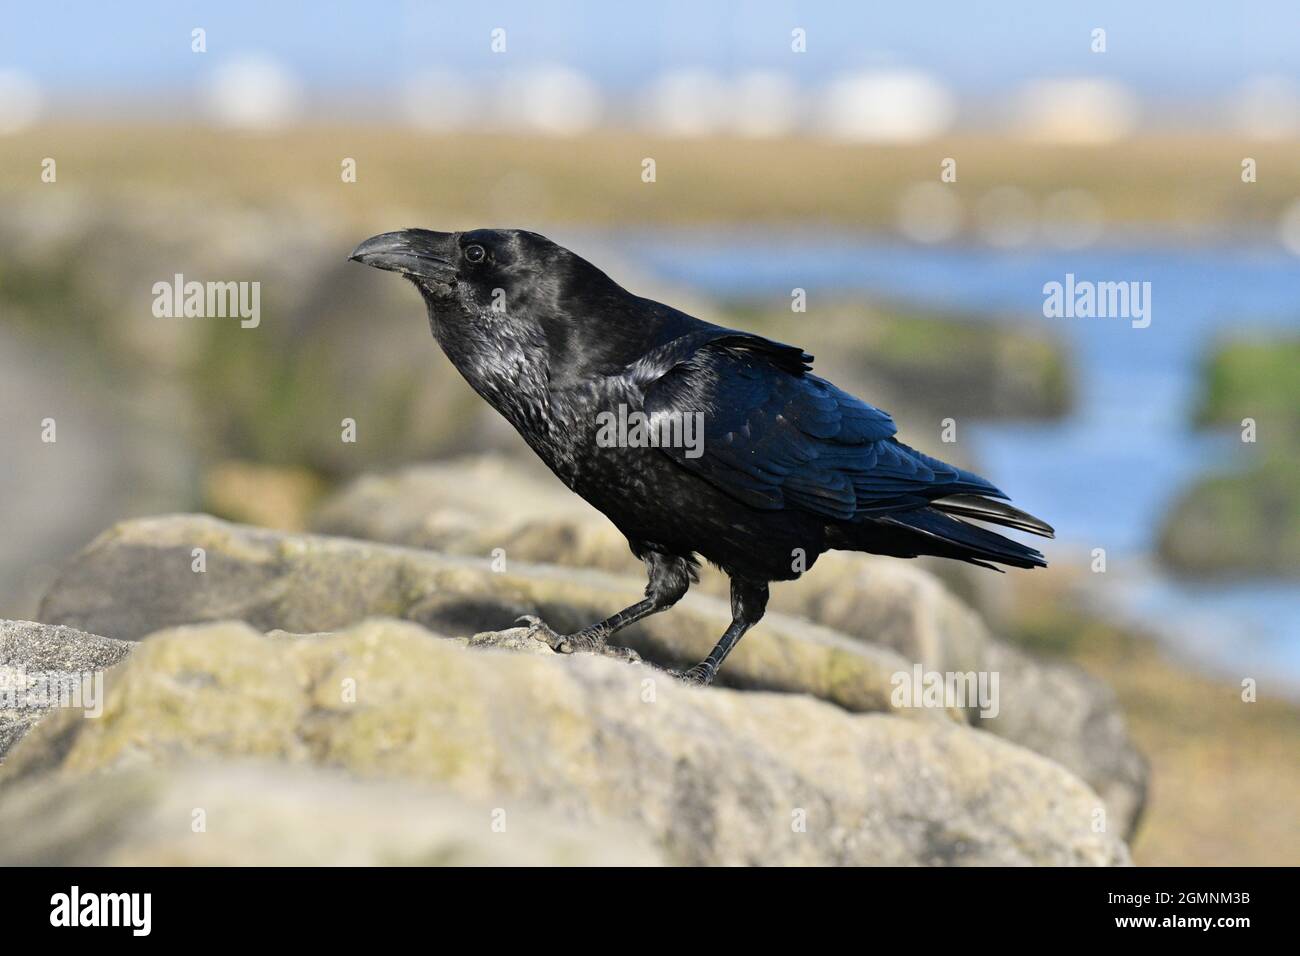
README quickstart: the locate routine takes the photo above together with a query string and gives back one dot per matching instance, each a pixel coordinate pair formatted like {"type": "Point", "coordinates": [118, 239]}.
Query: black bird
{"type": "Point", "coordinates": [784, 465]}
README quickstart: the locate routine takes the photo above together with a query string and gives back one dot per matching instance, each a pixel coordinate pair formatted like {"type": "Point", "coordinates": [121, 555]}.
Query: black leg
{"type": "Point", "coordinates": [670, 577]}
{"type": "Point", "coordinates": [748, 602]}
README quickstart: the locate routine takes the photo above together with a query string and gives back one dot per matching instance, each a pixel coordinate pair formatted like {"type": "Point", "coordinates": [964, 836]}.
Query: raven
{"type": "Point", "coordinates": [785, 467]}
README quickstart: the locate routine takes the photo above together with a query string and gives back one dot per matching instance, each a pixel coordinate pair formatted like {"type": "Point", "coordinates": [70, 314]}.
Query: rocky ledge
{"type": "Point", "coordinates": [263, 690]}
{"type": "Point", "coordinates": [490, 754]}
{"type": "Point", "coordinates": [880, 604]}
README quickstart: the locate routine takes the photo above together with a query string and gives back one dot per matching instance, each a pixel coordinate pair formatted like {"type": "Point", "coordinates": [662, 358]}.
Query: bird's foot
{"type": "Point", "coordinates": [701, 675]}
{"type": "Point", "coordinates": [581, 642]}
{"type": "Point", "coordinates": [620, 653]}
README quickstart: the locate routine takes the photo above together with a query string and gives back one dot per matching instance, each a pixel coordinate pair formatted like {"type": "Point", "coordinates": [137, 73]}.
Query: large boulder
{"type": "Point", "coordinates": [708, 776]}
{"type": "Point", "coordinates": [266, 814]}
{"type": "Point", "coordinates": [1242, 524]}
{"type": "Point", "coordinates": [43, 667]}
{"type": "Point", "coordinates": [141, 576]}
{"type": "Point", "coordinates": [1050, 707]}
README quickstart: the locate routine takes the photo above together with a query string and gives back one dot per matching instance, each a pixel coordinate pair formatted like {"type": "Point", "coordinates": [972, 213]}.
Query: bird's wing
{"type": "Point", "coordinates": [775, 437]}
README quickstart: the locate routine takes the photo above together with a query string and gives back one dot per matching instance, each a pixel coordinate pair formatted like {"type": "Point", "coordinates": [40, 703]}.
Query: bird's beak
{"type": "Point", "coordinates": [418, 253]}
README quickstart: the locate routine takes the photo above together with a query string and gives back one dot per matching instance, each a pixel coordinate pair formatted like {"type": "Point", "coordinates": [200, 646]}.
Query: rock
{"type": "Point", "coordinates": [939, 363]}
{"type": "Point", "coordinates": [1240, 525]}
{"type": "Point", "coordinates": [986, 369]}
{"type": "Point", "coordinates": [55, 490]}
{"type": "Point", "coordinates": [1052, 708]}
{"type": "Point", "coordinates": [260, 814]}
{"type": "Point", "coordinates": [42, 667]}
{"type": "Point", "coordinates": [1253, 377]}
{"type": "Point", "coordinates": [440, 506]}
{"type": "Point", "coordinates": [1244, 522]}
{"type": "Point", "coordinates": [272, 496]}
{"type": "Point", "coordinates": [1061, 712]}
{"type": "Point", "coordinates": [708, 776]}
{"type": "Point", "coordinates": [137, 578]}
{"type": "Point", "coordinates": [515, 639]}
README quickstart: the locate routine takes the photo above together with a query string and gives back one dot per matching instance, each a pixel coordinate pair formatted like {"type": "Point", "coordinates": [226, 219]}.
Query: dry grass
{"type": "Point", "coordinates": [1180, 182]}
{"type": "Point", "coordinates": [1224, 774]}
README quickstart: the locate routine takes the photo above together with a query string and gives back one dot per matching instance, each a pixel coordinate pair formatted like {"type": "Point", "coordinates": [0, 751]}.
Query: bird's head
{"type": "Point", "coordinates": [498, 270]}
{"type": "Point", "coordinates": [489, 287]}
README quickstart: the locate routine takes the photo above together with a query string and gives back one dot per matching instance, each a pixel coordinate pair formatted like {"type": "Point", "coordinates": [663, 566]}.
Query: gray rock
{"type": "Point", "coordinates": [42, 667]}
{"type": "Point", "coordinates": [137, 578]}
{"type": "Point", "coordinates": [1052, 708]}
{"type": "Point", "coordinates": [707, 776]}
{"type": "Point", "coordinates": [260, 814]}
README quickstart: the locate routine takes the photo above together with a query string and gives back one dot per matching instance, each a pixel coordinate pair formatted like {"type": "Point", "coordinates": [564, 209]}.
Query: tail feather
{"type": "Point", "coordinates": [995, 512]}
{"type": "Point", "coordinates": [953, 538]}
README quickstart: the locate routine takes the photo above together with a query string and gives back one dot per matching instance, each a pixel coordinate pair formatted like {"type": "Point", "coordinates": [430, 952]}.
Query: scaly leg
{"type": "Point", "coordinates": [670, 577]}
{"type": "Point", "coordinates": [748, 602]}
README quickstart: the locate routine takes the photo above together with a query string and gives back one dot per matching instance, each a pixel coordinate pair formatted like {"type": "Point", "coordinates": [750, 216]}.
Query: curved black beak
{"type": "Point", "coordinates": [413, 252]}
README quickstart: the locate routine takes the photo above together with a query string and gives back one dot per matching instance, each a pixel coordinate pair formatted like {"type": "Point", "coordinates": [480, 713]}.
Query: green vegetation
{"type": "Point", "coordinates": [1257, 379]}
{"type": "Point", "coordinates": [1246, 522]}
{"type": "Point", "coordinates": [1240, 524]}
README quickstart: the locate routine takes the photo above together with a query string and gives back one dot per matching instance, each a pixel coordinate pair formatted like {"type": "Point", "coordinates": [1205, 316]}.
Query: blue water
{"type": "Point", "coordinates": [1106, 473]}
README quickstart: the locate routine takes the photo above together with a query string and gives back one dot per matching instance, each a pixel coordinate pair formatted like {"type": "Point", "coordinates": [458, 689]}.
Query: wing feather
{"type": "Point", "coordinates": [776, 437]}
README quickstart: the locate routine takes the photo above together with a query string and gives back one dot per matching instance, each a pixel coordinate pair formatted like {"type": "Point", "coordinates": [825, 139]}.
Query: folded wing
{"type": "Point", "coordinates": [776, 437]}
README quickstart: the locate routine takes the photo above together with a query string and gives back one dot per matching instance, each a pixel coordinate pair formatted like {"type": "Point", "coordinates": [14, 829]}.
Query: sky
{"type": "Point", "coordinates": [1159, 48]}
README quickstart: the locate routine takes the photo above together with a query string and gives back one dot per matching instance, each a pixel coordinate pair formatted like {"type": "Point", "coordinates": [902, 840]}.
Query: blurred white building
{"type": "Point", "coordinates": [253, 92]}
{"type": "Point", "coordinates": [1078, 111]}
{"type": "Point", "coordinates": [20, 101]}
{"type": "Point", "coordinates": [890, 106]}
{"type": "Point", "coordinates": [1267, 107]}
{"type": "Point", "coordinates": [551, 100]}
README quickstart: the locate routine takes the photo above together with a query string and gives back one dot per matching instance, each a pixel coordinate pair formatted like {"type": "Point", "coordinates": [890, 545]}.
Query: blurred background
{"type": "Point", "coordinates": [919, 172]}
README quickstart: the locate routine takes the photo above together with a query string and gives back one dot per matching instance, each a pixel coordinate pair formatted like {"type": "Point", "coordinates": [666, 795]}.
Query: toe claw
{"type": "Point", "coordinates": [625, 654]}
{"type": "Point", "coordinates": [699, 675]}
{"type": "Point", "coordinates": [539, 630]}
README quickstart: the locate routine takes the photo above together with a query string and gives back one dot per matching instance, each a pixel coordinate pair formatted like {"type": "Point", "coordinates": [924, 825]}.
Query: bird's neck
{"type": "Point", "coordinates": [505, 364]}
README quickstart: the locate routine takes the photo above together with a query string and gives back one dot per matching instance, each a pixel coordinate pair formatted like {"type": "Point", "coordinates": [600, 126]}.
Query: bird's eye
{"type": "Point", "coordinates": [475, 253]}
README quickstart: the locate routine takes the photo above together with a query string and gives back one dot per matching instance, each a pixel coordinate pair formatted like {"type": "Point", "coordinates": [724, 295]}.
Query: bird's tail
{"type": "Point", "coordinates": [994, 512]}
{"type": "Point", "coordinates": [933, 531]}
